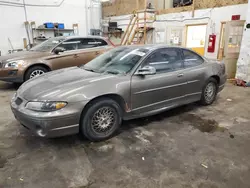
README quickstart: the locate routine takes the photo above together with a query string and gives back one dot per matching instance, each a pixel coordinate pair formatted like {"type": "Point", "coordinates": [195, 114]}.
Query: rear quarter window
{"type": "Point", "coordinates": [191, 59]}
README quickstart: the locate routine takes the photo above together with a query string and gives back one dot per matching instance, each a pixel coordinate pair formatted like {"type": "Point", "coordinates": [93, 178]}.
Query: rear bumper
{"type": "Point", "coordinates": [223, 80]}
{"type": "Point", "coordinates": [49, 124]}
{"type": "Point", "coordinates": [11, 75]}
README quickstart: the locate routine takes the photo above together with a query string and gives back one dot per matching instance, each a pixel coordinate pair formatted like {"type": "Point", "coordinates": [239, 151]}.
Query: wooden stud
{"type": "Point", "coordinates": [156, 5]}
{"type": "Point", "coordinates": [193, 8]}
{"type": "Point", "coordinates": [145, 26]}
{"type": "Point", "coordinates": [124, 35]}
{"type": "Point", "coordinates": [25, 44]}
{"type": "Point", "coordinates": [137, 28]}
{"type": "Point", "coordinates": [133, 36]}
{"type": "Point", "coordinates": [130, 29]}
{"type": "Point", "coordinates": [221, 30]}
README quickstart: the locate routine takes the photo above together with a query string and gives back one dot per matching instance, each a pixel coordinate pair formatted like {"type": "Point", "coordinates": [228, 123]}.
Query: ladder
{"type": "Point", "coordinates": [136, 32]}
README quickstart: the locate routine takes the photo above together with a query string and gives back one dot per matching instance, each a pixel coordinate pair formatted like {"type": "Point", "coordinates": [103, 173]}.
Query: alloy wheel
{"type": "Point", "coordinates": [103, 120]}
{"type": "Point", "coordinates": [36, 73]}
{"type": "Point", "coordinates": [210, 92]}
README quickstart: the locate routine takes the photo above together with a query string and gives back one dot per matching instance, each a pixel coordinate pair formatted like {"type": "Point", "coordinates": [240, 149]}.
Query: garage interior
{"type": "Point", "coordinates": [190, 146]}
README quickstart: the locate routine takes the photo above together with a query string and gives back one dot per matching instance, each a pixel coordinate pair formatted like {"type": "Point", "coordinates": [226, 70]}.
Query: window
{"type": "Point", "coordinates": [82, 43]}
{"type": "Point", "coordinates": [191, 59]}
{"type": "Point", "coordinates": [165, 60]}
{"type": "Point", "coordinates": [71, 44]}
{"type": "Point", "coordinates": [101, 42]}
{"type": "Point", "coordinates": [88, 43]}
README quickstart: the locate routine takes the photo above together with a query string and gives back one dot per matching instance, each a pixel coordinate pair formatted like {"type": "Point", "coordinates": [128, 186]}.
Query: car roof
{"type": "Point", "coordinates": [151, 46]}
{"type": "Point", "coordinates": [89, 36]}
{"type": "Point", "coordinates": [75, 37]}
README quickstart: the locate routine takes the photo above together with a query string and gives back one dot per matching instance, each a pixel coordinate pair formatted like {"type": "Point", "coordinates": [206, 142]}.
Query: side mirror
{"type": "Point", "coordinates": [58, 50]}
{"type": "Point", "coordinates": [147, 70]}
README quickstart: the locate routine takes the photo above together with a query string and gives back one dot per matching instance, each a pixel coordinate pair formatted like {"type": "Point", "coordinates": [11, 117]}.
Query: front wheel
{"type": "Point", "coordinates": [101, 119]}
{"type": "Point", "coordinates": [34, 71]}
{"type": "Point", "coordinates": [209, 92]}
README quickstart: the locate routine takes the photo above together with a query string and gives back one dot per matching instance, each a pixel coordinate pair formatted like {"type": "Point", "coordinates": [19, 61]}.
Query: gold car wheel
{"type": "Point", "coordinates": [36, 73]}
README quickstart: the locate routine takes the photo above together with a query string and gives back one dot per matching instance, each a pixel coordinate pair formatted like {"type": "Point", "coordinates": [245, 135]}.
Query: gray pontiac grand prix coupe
{"type": "Point", "coordinates": [125, 83]}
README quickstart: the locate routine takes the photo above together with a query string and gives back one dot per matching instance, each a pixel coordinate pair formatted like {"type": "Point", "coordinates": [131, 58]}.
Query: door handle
{"type": "Point", "coordinates": [76, 56]}
{"type": "Point", "coordinates": [180, 75]}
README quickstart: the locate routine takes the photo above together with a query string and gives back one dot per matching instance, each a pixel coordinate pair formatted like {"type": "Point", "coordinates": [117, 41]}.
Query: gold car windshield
{"type": "Point", "coordinates": [48, 45]}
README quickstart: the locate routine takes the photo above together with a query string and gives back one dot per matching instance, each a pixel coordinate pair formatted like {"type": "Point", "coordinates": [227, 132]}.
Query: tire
{"type": "Point", "coordinates": [209, 92]}
{"type": "Point", "coordinates": [31, 71]}
{"type": "Point", "coordinates": [101, 119]}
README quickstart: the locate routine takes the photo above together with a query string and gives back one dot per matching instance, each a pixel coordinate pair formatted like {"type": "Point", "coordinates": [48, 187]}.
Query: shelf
{"type": "Point", "coordinates": [41, 38]}
{"type": "Point", "coordinates": [51, 29]}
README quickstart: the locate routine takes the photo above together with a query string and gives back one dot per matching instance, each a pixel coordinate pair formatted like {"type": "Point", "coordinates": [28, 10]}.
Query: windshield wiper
{"type": "Point", "coordinates": [88, 69]}
{"type": "Point", "coordinates": [112, 72]}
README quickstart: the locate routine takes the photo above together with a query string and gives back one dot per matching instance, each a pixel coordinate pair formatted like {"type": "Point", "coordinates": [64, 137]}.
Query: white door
{"type": "Point", "coordinates": [233, 37]}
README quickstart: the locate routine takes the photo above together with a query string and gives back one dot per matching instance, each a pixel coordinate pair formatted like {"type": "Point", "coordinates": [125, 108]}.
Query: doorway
{"type": "Point", "coordinates": [233, 38]}
{"type": "Point", "coordinates": [196, 37]}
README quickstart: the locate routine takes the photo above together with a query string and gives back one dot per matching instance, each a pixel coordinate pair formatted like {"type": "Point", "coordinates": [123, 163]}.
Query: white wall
{"type": "Point", "coordinates": [87, 13]}
{"type": "Point", "coordinates": [212, 17]}
{"type": "Point", "coordinates": [243, 64]}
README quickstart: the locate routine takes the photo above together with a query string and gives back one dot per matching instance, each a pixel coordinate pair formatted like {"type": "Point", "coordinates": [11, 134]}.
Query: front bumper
{"type": "Point", "coordinates": [49, 124]}
{"type": "Point", "coordinates": [11, 75]}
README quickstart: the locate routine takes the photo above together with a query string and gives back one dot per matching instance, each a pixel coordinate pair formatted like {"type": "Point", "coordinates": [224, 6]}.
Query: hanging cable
{"type": "Point", "coordinates": [8, 5]}
{"type": "Point", "coordinates": [33, 5]}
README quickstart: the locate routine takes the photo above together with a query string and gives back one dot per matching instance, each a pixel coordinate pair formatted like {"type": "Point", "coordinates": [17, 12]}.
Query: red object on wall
{"type": "Point", "coordinates": [211, 43]}
{"type": "Point", "coordinates": [235, 17]}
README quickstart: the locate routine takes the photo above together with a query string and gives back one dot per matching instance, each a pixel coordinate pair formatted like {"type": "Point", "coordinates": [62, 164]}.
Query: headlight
{"type": "Point", "coordinates": [14, 64]}
{"type": "Point", "coordinates": [13, 97]}
{"type": "Point", "coordinates": [45, 106]}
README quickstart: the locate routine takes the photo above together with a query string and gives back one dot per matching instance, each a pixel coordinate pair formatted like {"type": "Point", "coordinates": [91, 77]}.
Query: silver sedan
{"type": "Point", "coordinates": [125, 83]}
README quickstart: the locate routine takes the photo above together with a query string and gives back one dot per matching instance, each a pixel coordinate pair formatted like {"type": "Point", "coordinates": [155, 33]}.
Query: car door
{"type": "Point", "coordinates": [68, 58]}
{"type": "Point", "coordinates": [194, 72]}
{"type": "Point", "coordinates": [165, 88]}
{"type": "Point", "coordinates": [88, 49]}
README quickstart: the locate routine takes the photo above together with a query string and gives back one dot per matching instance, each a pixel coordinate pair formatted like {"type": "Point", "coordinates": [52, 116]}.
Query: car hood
{"type": "Point", "coordinates": [59, 84]}
{"type": "Point", "coordinates": [23, 55]}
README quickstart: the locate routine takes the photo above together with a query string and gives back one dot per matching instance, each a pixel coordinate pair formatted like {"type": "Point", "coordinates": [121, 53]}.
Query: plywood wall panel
{"type": "Point", "coordinates": [201, 4]}
{"type": "Point", "coordinates": [123, 7]}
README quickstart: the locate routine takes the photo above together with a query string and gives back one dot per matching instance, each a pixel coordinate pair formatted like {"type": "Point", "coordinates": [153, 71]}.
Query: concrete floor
{"type": "Point", "coordinates": [191, 147]}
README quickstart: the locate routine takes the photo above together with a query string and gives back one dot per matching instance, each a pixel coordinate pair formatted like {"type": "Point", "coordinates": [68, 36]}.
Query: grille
{"type": "Point", "coordinates": [18, 101]}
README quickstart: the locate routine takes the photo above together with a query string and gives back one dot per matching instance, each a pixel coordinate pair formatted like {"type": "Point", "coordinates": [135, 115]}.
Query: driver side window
{"type": "Point", "coordinates": [165, 60]}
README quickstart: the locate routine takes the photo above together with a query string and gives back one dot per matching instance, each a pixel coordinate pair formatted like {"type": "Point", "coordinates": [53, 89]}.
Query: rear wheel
{"type": "Point", "coordinates": [35, 71]}
{"type": "Point", "coordinates": [209, 92]}
{"type": "Point", "coordinates": [101, 119]}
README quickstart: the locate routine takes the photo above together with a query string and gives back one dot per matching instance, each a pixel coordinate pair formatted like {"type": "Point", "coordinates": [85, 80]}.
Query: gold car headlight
{"type": "Point", "coordinates": [45, 106]}
{"type": "Point", "coordinates": [14, 64]}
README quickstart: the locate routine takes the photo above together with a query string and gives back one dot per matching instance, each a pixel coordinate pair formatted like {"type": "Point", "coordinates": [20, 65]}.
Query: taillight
{"type": "Point", "coordinates": [223, 68]}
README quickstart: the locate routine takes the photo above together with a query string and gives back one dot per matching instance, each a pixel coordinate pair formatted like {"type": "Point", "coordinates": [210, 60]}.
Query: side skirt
{"type": "Point", "coordinates": [133, 115]}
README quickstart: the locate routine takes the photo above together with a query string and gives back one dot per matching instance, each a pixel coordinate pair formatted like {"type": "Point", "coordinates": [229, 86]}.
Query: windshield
{"type": "Point", "coordinates": [117, 61]}
{"type": "Point", "coordinates": [48, 45]}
